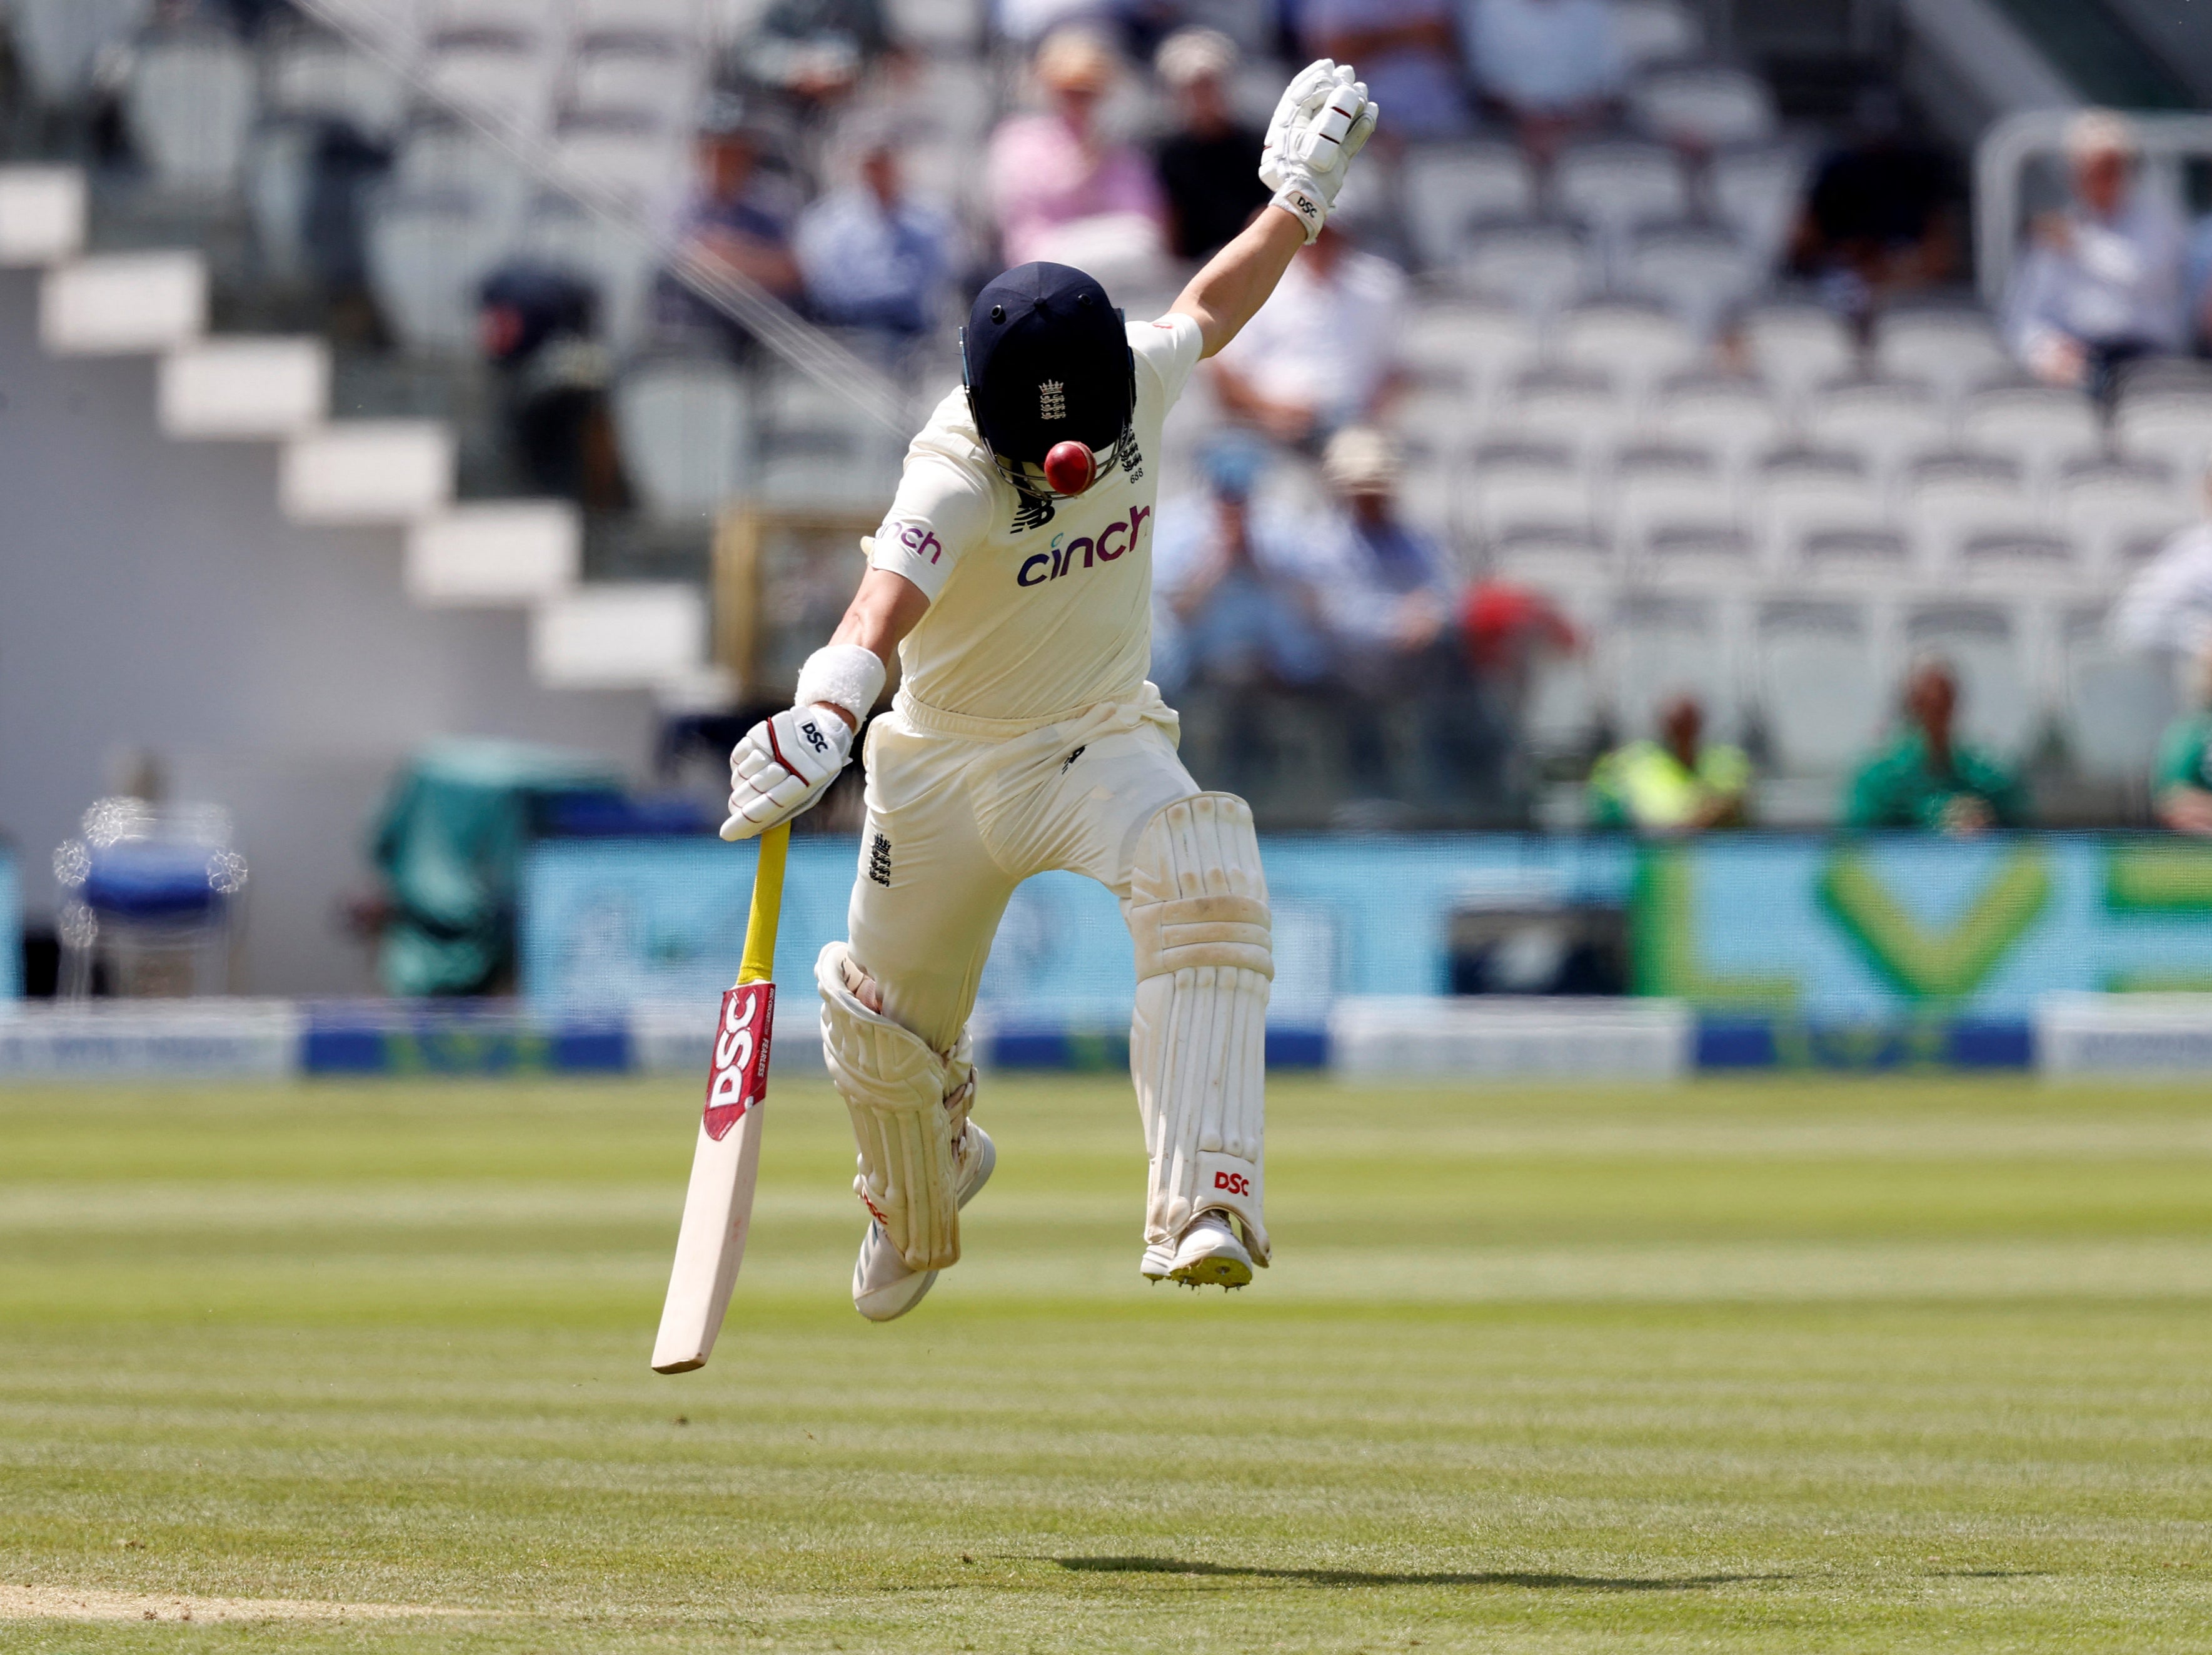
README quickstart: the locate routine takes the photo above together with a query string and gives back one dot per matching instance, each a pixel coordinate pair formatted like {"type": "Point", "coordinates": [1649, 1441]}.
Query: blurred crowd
{"type": "Point", "coordinates": [1294, 592]}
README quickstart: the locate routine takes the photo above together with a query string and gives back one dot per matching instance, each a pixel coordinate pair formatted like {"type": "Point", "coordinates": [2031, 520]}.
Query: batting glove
{"type": "Point", "coordinates": [1323, 120]}
{"type": "Point", "coordinates": [782, 765]}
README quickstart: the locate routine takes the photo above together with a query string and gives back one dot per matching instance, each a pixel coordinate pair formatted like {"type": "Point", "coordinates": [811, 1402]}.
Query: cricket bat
{"type": "Point", "coordinates": [719, 1206]}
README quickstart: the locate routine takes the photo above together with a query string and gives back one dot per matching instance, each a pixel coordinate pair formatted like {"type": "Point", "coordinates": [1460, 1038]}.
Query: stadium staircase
{"type": "Point", "coordinates": [400, 473]}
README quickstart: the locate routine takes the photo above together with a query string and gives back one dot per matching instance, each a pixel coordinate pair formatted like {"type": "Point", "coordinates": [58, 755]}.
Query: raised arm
{"type": "Point", "coordinates": [1323, 120]}
{"type": "Point", "coordinates": [1237, 281]}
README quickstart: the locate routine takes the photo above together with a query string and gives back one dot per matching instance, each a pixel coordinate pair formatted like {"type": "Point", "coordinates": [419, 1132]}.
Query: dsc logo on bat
{"type": "Point", "coordinates": [738, 1080]}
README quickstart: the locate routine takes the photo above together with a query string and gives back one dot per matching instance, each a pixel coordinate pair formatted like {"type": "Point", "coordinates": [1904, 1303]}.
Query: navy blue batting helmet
{"type": "Point", "coordinates": [1046, 359]}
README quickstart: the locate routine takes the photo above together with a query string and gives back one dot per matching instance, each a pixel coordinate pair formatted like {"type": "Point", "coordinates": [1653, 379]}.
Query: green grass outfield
{"type": "Point", "coordinates": [1778, 1367]}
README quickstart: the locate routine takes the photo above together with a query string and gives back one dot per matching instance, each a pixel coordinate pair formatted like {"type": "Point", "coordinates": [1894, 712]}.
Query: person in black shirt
{"type": "Point", "coordinates": [1882, 216]}
{"type": "Point", "coordinates": [1206, 169]}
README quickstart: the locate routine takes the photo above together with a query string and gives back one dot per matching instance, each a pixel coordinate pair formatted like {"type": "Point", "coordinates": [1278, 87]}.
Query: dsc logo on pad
{"type": "Point", "coordinates": [1235, 1183]}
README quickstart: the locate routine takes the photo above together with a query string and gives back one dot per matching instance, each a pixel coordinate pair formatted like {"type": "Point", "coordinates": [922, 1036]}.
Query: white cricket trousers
{"type": "Point", "coordinates": [962, 810]}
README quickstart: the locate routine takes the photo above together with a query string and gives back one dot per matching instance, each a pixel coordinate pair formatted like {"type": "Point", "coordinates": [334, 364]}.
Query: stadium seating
{"type": "Point", "coordinates": [189, 100]}
{"type": "Point", "coordinates": [686, 424]}
{"type": "Point", "coordinates": [1610, 395]}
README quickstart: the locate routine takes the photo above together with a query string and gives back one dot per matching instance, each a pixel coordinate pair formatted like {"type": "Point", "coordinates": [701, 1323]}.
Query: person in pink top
{"type": "Point", "coordinates": [1057, 184]}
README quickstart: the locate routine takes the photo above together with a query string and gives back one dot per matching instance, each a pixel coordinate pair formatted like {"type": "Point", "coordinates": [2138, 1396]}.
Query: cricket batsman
{"type": "Point", "coordinates": [1013, 576]}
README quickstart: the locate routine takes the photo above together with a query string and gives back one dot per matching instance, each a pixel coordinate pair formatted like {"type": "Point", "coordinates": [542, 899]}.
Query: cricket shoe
{"type": "Point", "coordinates": [884, 1288]}
{"type": "Point", "coordinates": [1206, 1255]}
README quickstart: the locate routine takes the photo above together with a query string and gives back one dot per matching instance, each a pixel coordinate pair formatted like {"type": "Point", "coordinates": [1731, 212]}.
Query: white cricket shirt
{"type": "Point", "coordinates": [1031, 623]}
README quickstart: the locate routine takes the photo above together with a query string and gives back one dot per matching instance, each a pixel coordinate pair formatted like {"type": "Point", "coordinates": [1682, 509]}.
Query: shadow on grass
{"type": "Point", "coordinates": [1369, 1578]}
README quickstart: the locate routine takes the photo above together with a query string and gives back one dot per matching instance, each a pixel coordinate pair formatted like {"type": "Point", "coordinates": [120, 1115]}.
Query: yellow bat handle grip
{"type": "Point", "coordinates": [759, 963]}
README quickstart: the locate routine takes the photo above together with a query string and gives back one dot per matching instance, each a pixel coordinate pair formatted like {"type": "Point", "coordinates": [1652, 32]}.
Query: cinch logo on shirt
{"type": "Point", "coordinates": [1057, 560]}
{"type": "Point", "coordinates": [916, 537]}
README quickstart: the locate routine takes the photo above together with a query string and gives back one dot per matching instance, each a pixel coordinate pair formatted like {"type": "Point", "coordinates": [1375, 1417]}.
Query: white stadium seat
{"type": "Point", "coordinates": [1616, 185]}
{"type": "Point", "coordinates": [58, 41]}
{"type": "Point", "coordinates": [653, 79]}
{"type": "Point", "coordinates": [685, 20]}
{"type": "Point", "coordinates": [323, 76]}
{"type": "Point", "coordinates": [1664, 645]}
{"type": "Point", "coordinates": [1756, 189]}
{"type": "Point", "coordinates": [1983, 646]}
{"type": "Point", "coordinates": [1734, 417]}
{"type": "Point", "coordinates": [1794, 348]}
{"type": "Point", "coordinates": [621, 160]}
{"type": "Point", "coordinates": [189, 101]}
{"type": "Point", "coordinates": [1821, 512]}
{"type": "Point", "coordinates": [1885, 422]}
{"type": "Point", "coordinates": [1537, 267]}
{"type": "Point", "coordinates": [1674, 517]}
{"type": "Point", "coordinates": [1449, 188]}
{"type": "Point", "coordinates": [2174, 426]}
{"type": "Point", "coordinates": [496, 77]}
{"type": "Point", "coordinates": [1481, 345]}
{"type": "Point", "coordinates": [1950, 352]}
{"type": "Point", "coordinates": [1531, 509]}
{"type": "Point", "coordinates": [686, 431]}
{"type": "Point", "coordinates": [1703, 106]}
{"type": "Point", "coordinates": [1950, 499]}
{"type": "Point", "coordinates": [1647, 32]}
{"type": "Point", "coordinates": [1577, 408]}
{"type": "Point", "coordinates": [524, 17]}
{"type": "Point", "coordinates": [449, 159]}
{"type": "Point", "coordinates": [2117, 704]}
{"type": "Point", "coordinates": [2042, 426]}
{"type": "Point", "coordinates": [1638, 344]}
{"type": "Point", "coordinates": [428, 254]}
{"type": "Point", "coordinates": [1699, 272]}
{"type": "Point", "coordinates": [2120, 511]}
{"type": "Point", "coordinates": [1818, 683]}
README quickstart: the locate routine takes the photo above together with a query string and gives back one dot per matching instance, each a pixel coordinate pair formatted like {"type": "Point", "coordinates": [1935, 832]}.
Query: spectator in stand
{"type": "Point", "coordinates": [2167, 606]}
{"type": "Point", "coordinates": [2100, 284]}
{"type": "Point", "coordinates": [1060, 189]}
{"type": "Point", "coordinates": [1554, 68]}
{"type": "Point", "coordinates": [2181, 784]}
{"type": "Point", "coordinates": [539, 327]}
{"type": "Point", "coordinates": [1322, 353]}
{"type": "Point", "coordinates": [872, 256]}
{"type": "Point", "coordinates": [816, 50]}
{"type": "Point", "coordinates": [1383, 588]}
{"type": "Point", "coordinates": [1928, 778]}
{"type": "Point", "coordinates": [739, 218]}
{"type": "Point", "coordinates": [1225, 611]}
{"type": "Point", "coordinates": [1207, 168]}
{"type": "Point", "coordinates": [1882, 216]}
{"type": "Point", "coordinates": [1679, 783]}
{"type": "Point", "coordinates": [1405, 50]}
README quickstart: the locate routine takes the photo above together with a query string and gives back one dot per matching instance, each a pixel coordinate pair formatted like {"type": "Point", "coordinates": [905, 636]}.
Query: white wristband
{"type": "Point", "coordinates": [841, 675]}
{"type": "Point", "coordinates": [1304, 205]}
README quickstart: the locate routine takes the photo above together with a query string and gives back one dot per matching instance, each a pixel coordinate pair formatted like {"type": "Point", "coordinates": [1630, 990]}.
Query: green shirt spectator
{"type": "Point", "coordinates": [1927, 780]}
{"type": "Point", "coordinates": [2181, 784]}
{"type": "Point", "coordinates": [1677, 784]}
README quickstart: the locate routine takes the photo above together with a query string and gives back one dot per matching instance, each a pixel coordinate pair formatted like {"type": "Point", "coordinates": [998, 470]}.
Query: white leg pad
{"type": "Point", "coordinates": [1198, 912]}
{"type": "Point", "coordinates": [909, 1107]}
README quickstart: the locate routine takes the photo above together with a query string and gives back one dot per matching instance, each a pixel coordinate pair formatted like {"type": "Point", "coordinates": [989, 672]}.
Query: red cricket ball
{"type": "Point", "coordinates": [1069, 468]}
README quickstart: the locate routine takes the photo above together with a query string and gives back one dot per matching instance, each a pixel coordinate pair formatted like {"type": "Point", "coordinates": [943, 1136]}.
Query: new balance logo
{"type": "Point", "coordinates": [879, 860]}
{"type": "Point", "coordinates": [1052, 400]}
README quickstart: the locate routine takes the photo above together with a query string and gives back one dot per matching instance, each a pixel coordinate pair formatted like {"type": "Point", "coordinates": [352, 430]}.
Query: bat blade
{"type": "Point", "coordinates": [725, 1164]}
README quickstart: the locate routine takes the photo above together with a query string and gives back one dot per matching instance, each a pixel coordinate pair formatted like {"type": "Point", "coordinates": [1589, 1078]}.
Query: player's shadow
{"type": "Point", "coordinates": [1387, 1577]}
